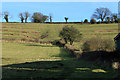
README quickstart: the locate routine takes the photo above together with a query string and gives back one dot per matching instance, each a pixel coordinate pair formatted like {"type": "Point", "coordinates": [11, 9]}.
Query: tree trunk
{"type": "Point", "coordinates": [102, 20]}
{"type": "Point", "coordinates": [66, 21]}
{"type": "Point", "coordinates": [25, 20]}
{"type": "Point", "coordinates": [6, 20]}
{"type": "Point", "coordinates": [22, 21]}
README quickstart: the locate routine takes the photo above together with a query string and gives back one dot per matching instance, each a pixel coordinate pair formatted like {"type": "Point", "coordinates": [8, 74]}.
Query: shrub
{"type": "Point", "coordinates": [98, 22]}
{"type": "Point", "coordinates": [85, 21]}
{"type": "Point", "coordinates": [97, 44]}
{"type": "Point", "coordinates": [92, 21]}
{"type": "Point", "coordinates": [70, 34]}
{"type": "Point", "coordinates": [81, 22]}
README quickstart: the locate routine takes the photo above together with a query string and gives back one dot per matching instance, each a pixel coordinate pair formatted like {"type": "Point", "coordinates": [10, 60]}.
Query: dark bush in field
{"type": "Point", "coordinates": [70, 34]}
{"type": "Point", "coordinates": [59, 43]}
{"type": "Point", "coordinates": [102, 57]}
{"type": "Point", "coordinates": [97, 44]}
{"type": "Point", "coordinates": [85, 21]}
{"type": "Point", "coordinates": [92, 21]}
{"type": "Point", "coordinates": [98, 22]}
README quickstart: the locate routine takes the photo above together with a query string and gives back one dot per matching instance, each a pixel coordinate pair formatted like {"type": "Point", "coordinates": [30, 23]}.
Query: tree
{"type": "Point", "coordinates": [26, 14]}
{"type": "Point", "coordinates": [66, 19]}
{"type": "Point", "coordinates": [98, 22]}
{"type": "Point", "coordinates": [112, 21]}
{"type": "Point", "coordinates": [101, 13]}
{"type": "Point", "coordinates": [6, 16]}
{"type": "Point", "coordinates": [44, 18]}
{"type": "Point", "coordinates": [70, 34]}
{"type": "Point", "coordinates": [85, 21]}
{"type": "Point", "coordinates": [50, 18]}
{"type": "Point", "coordinates": [114, 16]}
{"type": "Point", "coordinates": [108, 19]}
{"type": "Point", "coordinates": [21, 17]}
{"type": "Point", "coordinates": [92, 21]}
{"type": "Point", "coordinates": [39, 18]}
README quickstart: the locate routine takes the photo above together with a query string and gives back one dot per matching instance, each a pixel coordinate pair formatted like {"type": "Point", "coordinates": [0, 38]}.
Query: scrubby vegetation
{"type": "Point", "coordinates": [98, 44]}
{"type": "Point", "coordinates": [70, 34]}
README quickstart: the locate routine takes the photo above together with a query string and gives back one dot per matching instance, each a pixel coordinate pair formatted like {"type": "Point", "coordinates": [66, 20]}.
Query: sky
{"type": "Point", "coordinates": [75, 11]}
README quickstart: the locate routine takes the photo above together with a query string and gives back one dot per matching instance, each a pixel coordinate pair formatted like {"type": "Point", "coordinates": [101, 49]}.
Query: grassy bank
{"type": "Point", "coordinates": [49, 32]}
{"type": "Point", "coordinates": [22, 59]}
{"type": "Point", "coordinates": [33, 60]}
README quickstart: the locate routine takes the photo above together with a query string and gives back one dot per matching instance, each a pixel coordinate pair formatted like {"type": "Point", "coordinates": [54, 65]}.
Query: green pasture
{"type": "Point", "coordinates": [19, 31]}
{"type": "Point", "coordinates": [31, 60]}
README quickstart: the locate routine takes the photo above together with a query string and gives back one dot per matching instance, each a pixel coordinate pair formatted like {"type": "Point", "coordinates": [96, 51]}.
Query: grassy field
{"type": "Point", "coordinates": [34, 31]}
{"type": "Point", "coordinates": [32, 60]}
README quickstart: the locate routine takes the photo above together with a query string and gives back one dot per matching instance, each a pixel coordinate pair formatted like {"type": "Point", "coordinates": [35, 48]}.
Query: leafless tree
{"type": "Point", "coordinates": [101, 13]}
{"type": "Point", "coordinates": [26, 15]}
{"type": "Point", "coordinates": [50, 18]}
{"type": "Point", "coordinates": [114, 16]}
{"type": "Point", "coordinates": [6, 14]}
{"type": "Point", "coordinates": [21, 17]}
{"type": "Point", "coordinates": [108, 19]}
{"type": "Point", "coordinates": [66, 19]}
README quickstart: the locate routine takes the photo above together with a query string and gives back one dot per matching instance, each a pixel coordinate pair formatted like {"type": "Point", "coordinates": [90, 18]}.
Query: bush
{"type": "Point", "coordinates": [97, 44]}
{"type": "Point", "coordinates": [92, 21]}
{"type": "Point", "coordinates": [81, 22]}
{"type": "Point", "coordinates": [70, 34]}
{"type": "Point", "coordinates": [85, 21]}
{"type": "Point", "coordinates": [98, 22]}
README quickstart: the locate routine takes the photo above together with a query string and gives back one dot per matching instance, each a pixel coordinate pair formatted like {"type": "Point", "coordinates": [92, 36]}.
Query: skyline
{"type": "Point", "coordinates": [75, 11]}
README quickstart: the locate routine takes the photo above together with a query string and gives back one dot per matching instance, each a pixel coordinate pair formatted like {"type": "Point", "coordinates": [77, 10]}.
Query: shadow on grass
{"type": "Point", "coordinates": [102, 56]}
{"type": "Point", "coordinates": [42, 45]}
{"type": "Point", "coordinates": [68, 68]}
{"type": "Point", "coordinates": [54, 70]}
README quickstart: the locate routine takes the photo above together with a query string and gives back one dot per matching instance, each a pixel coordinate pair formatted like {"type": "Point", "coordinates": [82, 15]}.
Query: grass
{"type": "Point", "coordinates": [29, 52]}
{"type": "Point", "coordinates": [31, 31]}
{"type": "Point", "coordinates": [21, 30]}
{"type": "Point", "coordinates": [33, 60]}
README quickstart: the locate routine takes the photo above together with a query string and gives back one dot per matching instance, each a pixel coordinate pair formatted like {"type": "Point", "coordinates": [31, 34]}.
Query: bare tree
{"type": "Point", "coordinates": [108, 19]}
{"type": "Point", "coordinates": [6, 16]}
{"type": "Point", "coordinates": [21, 17]}
{"type": "Point", "coordinates": [26, 14]}
{"type": "Point", "coordinates": [114, 16]}
{"type": "Point", "coordinates": [101, 13]}
{"type": "Point", "coordinates": [50, 18]}
{"type": "Point", "coordinates": [112, 19]}
{"type": "Point", "coordinates": [66, 19]}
